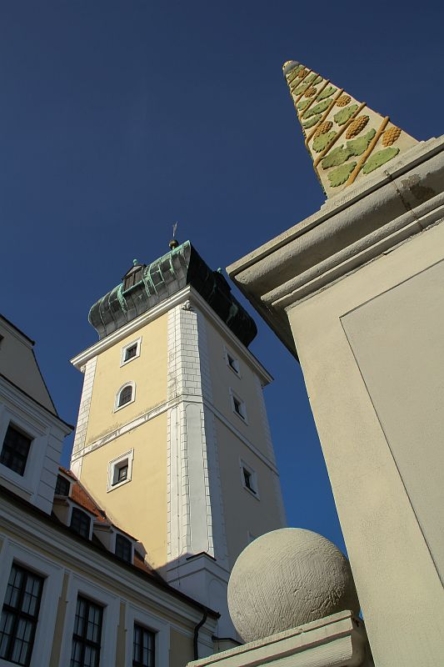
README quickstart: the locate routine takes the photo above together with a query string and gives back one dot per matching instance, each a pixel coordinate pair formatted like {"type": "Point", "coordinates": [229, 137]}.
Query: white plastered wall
{"type": "Point", "coordinates": [389, 524]}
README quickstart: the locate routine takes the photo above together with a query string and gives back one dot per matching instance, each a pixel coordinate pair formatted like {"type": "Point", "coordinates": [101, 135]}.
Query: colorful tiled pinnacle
{"type": "Point", "coordinates": [346, 140]}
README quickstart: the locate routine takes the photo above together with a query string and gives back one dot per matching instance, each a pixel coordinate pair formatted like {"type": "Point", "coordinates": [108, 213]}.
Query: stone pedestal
{"type": "Point", "coordinates": [338, 640]}
{"type": "Point", "coordinates": [356, 291]}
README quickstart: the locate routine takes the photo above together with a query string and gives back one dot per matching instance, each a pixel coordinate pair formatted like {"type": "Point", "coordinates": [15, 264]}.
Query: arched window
{"type": "Point", "coordinates": [125, 395]}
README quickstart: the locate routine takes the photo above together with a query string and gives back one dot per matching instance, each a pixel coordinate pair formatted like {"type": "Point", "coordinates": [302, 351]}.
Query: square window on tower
{"type": "Point", "coordinates": [120, 470]}
{"type": "Point", "coordinates": [238, 406]}
{"type": "Point", "coordinates": [232, 363]}
{"type": "Point", "coordinates": [130, 351]}
{"type": "Point", "coordinates": [249, 479]}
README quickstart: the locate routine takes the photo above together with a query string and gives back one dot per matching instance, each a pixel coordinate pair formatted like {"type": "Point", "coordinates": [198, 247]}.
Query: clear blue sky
{"type": "Point", "coordinates": [120, 117]}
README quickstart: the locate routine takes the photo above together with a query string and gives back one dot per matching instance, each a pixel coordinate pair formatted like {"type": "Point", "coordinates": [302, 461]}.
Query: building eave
{"type": "Point", "coordinates": [187, 293]}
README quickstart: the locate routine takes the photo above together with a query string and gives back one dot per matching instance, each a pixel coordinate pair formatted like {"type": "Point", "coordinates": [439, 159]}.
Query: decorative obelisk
{"type": "Point", "coordinates": [356, 292]}
{"type": "Point", "coordinates": [347, 141]}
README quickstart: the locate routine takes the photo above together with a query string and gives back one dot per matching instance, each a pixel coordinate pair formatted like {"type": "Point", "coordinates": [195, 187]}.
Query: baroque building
{"type": "Point", "coordinates": [74, 588]}
{"type": "Point", "coordinates": [172, 437]}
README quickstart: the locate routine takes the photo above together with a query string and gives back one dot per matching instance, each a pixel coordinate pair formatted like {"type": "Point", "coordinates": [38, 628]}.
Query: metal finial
{"type": "Point", "coordinates": [135, 262]}
{"type": "Point", "coordinates": [174, 242]}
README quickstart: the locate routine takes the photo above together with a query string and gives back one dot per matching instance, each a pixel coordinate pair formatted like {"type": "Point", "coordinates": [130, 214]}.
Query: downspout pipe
{"type": "Point", "coordinates": [196, 634]}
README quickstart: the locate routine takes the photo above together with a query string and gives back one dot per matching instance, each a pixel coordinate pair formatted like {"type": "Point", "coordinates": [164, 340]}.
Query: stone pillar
{"type": "Point", "coordinates": [356, 292]}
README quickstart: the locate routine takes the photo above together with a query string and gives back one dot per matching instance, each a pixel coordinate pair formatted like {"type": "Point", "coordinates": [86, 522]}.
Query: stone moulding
{"type": "Point", "coordinates": [338, 640]}
{"type": "Point", "coordinates": [350, 230]}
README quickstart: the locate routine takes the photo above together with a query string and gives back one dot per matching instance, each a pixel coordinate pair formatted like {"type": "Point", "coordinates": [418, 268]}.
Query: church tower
{"type": "Point", "coordinates": [172, 438]}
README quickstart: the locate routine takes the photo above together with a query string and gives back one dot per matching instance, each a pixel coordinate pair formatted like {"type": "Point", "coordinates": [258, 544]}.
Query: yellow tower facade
{"type": "Point", "coordinates": [172, 438]}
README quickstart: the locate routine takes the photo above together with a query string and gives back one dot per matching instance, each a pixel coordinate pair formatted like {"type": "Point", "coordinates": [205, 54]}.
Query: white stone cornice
{"type": "Point", "coordinates": [350, 230]}
{"type": "Point", "coordinates": [188, 293]}
{"type": "Point", "coordinates": [80, 360]}
{"type": "Point", "coordinates": [164, 407]}
{"type": "Point", "coordinates": [334, 641]}
{"type": "Point", "coordinates": [42, 537]}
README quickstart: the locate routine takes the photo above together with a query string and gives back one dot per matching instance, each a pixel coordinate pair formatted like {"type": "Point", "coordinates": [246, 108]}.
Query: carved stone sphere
{"type": "Point", "coordinates": [287, 578]}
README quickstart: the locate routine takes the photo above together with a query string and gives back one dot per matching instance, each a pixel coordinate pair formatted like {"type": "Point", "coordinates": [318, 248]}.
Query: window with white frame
{"type": "Point", "coordinates": [120, 470]}
{"type": "Point", "coordinates": [249, 479]}
{"type": "Point", "coordinates": [148, 640]}
{"type": "Point", "coordinates": [87, 635]}
{"type": "Point", "coordinates": [130, 351]}
{"type": "Point", "coordinates": [23, 446]}
{"type": "Point", "coordinates": [15, 450]}
{"type": "Point", "coordinates": [80, 523]}
{"type": "Point", "coordinates": [20, 614]}
{"type": "Point", "coordinates": [29, 584]}
{"type": "Point", "coordinates": [238, 406]}
{"type": "Point", "coordinates": [144, 646]}
{"type": "Point", "coordinates": [63, 486]}
{"type": "Point", "coordinates": [91, 614]}
{"type": "Point", "coordinates": [123, 548]}
{"type": "Point", "coordinates": [125, 395]}
{"type": "Point", "coordinates": [232, 362]}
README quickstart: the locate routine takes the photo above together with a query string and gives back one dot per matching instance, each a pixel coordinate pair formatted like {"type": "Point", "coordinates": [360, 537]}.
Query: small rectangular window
{"type": "Point", "coordinates": [123, 548]}
{"type": "Point", "coordinates": [248, 480]}
{"type": "Point", "coordinates": [121, 470]}
{"type": "Point", "coordinates": [233, 363]}
{"type": "Point", "coordinates": [80, 522]}
{"type": "Point", "coordinates": [15, 450]}
{"type": "Point", "coordinates": [131, 352]}
{"type": "Point", "coordinates": [143, 647]}
{"type": "Point", "coordinates": [87, 635]}
{"type": "Point", "coordinates": [239, 407]}
{"type": "Point", "coordinates": [62, 486]}
{"type": "Point", "coordinates": [19, 615]}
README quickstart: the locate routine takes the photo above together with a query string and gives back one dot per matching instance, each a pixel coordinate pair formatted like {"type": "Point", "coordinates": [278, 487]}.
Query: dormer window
{"type": "Point", "coordinates": [133, 276]}
{"type": "Point", "coordinates": [124, 549]}
{"type": "Point", "coordinates": [15, 450]}
{"type": "Point", "coordinates": [62, 486]}
{"type": "Point", "coordinates": [80, 522]}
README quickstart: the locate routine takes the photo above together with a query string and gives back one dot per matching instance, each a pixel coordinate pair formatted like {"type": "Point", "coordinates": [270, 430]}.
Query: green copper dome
{"type": "Point", "coordinates": [143, 287]}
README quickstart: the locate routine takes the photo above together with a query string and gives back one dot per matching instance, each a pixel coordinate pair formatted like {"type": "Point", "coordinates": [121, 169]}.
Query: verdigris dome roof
{"type": "Point", "coordinates": [143, 287]}
{"type": "Point", "coordinates": [286, 578]}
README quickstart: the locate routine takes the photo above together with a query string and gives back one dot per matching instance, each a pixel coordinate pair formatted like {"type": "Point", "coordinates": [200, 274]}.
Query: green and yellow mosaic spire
{"type": "Point", "coordinates": [346, 140]}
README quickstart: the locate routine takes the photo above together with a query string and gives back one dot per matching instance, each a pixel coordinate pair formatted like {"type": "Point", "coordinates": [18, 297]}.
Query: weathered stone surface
{"type": "Point", "coordinates": [286, 578]}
